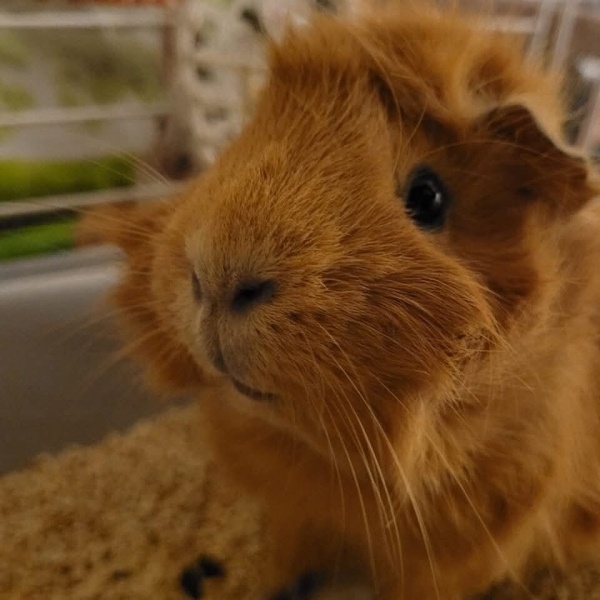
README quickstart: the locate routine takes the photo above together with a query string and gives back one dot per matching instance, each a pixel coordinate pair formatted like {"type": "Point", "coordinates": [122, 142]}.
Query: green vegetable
{"type": "Point", "coordinates": [24, 179]}
{"type": "Point", "coordinates": [37, 239]}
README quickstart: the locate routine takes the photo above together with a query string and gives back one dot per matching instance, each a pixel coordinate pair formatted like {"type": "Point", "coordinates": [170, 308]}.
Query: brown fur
{"type": "Point", "coordinates": [437, 410]}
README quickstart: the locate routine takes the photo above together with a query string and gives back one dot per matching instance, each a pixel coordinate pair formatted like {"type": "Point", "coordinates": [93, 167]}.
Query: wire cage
{"type": "Point", "coordinates": [67, 26]}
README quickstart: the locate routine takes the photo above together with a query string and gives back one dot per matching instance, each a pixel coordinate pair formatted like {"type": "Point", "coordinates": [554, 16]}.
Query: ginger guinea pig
{"type": "Point", "coordinates": [390, 284]}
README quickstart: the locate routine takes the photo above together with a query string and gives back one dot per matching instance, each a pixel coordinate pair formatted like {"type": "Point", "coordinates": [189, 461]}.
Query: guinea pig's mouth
{"type": "Point", "coordinates": [251, 393]}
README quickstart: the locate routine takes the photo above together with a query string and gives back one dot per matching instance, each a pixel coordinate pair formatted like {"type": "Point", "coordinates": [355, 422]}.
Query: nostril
{"type": "Point", "coordinates": [250, 293]}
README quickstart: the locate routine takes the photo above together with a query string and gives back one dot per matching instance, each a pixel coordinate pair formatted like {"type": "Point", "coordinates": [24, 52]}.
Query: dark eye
{"type": "Point", "coordinates": [426, 199]}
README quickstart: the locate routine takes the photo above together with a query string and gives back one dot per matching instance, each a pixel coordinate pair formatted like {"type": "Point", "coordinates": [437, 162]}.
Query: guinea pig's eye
{"type": "Point", "coordinates": [426, 199]}
{"type": "Point", "coordinates": [196, 289]}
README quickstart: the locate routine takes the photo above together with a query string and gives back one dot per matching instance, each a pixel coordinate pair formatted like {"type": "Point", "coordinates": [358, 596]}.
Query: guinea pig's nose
{"type": "Point", "coordinates": [251, 293]}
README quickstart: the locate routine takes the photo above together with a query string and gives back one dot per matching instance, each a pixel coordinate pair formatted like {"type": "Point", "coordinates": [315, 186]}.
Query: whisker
{"type": "Point", "coordinates": [388, 517]}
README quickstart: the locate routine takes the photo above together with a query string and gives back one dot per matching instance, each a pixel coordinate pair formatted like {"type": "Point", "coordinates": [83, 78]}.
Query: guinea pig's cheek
{"type": "Point", "coordinates": [183, 314]}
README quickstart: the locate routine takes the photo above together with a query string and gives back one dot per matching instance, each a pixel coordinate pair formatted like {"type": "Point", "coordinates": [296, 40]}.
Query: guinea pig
{"type": "Point", "coordinates": [386, 294]}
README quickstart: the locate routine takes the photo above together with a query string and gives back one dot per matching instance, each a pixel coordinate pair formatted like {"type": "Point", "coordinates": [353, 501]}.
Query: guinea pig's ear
{"type": "Point", "coordinates": [564, 175]}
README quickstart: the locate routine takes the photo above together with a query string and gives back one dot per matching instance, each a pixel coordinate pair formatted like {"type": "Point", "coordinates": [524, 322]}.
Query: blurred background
{"type": "Point", "coordinates": [117, 102]}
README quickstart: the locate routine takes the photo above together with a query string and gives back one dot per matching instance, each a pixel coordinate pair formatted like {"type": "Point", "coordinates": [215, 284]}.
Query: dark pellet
{"type": "Point", "coordinates": [210, 567]}
{"type": "Point", "coordinates": [191, 582]}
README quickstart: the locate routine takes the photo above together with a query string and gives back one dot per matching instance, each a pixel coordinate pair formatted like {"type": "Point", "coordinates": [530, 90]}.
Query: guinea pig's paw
{"type": "Point", "coordinates": [192, 577]}
{"type": "Point", "coordinates": [314, 586]}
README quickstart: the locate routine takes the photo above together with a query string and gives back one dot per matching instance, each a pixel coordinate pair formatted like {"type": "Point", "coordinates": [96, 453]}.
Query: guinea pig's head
{"type": "Point", "coordinates": [374, 231]}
